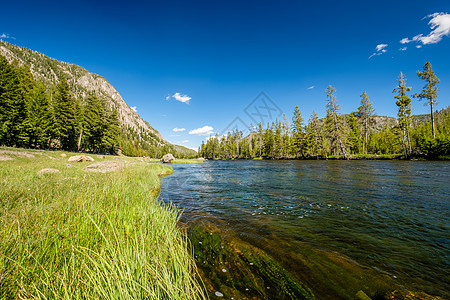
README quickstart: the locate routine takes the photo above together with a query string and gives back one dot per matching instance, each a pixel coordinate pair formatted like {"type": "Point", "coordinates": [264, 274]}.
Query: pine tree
{"type": "Point", "coordinates": [260, 136]}
{"type": "Point", "coordinates": [64, 105]}
{"type": "Point", "coordinates": [365, 114]}
{"type": "Point", "coordinates": [335, 124]}
{"type": "Point", "coordinates": [404, 112]}
{"type": "Point", "coordinates": [429, 91]}
{"type": "Point", "coordinates": [12, 103]}
{"type": "Point", "coordinates": [298, 132]}
{"type": "Point", "coordinates": [315, 137]}
{"type": "Point", "coordinates": [38, 127]}
{"type": "Point", "coordinates": [110, 141]}
{"type": "Point", "coordinates": [94, 123]}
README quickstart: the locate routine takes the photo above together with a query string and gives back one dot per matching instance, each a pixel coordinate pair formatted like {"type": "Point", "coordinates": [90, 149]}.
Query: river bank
{"type": "Point", "coordinates": [89, 230]}
{"type": "Point", "coordinates": [351, 157]}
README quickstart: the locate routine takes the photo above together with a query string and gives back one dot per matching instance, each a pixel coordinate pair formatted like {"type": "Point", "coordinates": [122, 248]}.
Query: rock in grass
{"type": "Point", "coordinates": [5, 158]}
{"type": "Point", "coordinates": [101, 156]}
{"type": "Point", "coordinates": [70, 166]}
{"type": "Point", "coordinates": [167, 158]}
{"type": "Point", "coordinates": [63, 155]}
{"type": "Point", "coordinates": [80, 158]}
{"type": "Point", "coordinates": [48, 170]}
{"type": "Point", "coordinates": [105, 166]}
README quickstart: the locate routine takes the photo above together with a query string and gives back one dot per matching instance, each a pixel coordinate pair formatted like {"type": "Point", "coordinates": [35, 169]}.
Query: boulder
{"type": "Point", "coordinates": [80, 158]}
{"type": "Point", "coordinates": [105, 166]}
{"type": "Point", "coordinates": [70, 166]}
{"type": "Point", "coordinates": [101, 156]}
{"type": "Point", "coordinates": [48, 170]}
{"type": "Point", "coordinates": [5, 158]}
{"type": "Point", "coordinates": [167, 158]}
{"type": "Point", "coordinates": [63, 155]}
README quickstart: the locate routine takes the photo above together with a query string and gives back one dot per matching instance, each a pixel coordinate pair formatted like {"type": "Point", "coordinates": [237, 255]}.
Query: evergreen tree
{"type": "Point", "coordinates": [298, 135]}
{"type": "Point", "coordinates": [111, 133]}
{"type": "Point", "coordinates": [429, 91]}
{"type": "Point", "coordinates": [38, 127]}
{"type": "Point", "coordinates": [260, 137]}
{"type": "Point", "coordinates": [94, 123]}
{"type": "Point", "coordinates": [335, 124]}
{"type": "Point", "coordinates": [365, 114]}
{"type": "Point", "coordinates": [404, 112]}
{"type": "Point", "coordinates": [64, 105]}
{"type": "Point", "coordinates": [355, 139]}
{"type": "Point", "coordinates": [12, 103]}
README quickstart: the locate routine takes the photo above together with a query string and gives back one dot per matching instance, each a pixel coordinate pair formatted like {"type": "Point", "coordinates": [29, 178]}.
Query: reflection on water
{"type": "Point", "coordinates": [390, 215]}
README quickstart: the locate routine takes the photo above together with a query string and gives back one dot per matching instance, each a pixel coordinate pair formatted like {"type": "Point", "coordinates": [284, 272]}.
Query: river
{"type": "Point", "coordinates": [390, 216]}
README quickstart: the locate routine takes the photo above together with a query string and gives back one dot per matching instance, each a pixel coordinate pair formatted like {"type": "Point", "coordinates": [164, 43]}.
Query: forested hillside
{"type": "Point", "coordinates": [46, 103]}
{"type": "Point", "coordinates": [359, 134]}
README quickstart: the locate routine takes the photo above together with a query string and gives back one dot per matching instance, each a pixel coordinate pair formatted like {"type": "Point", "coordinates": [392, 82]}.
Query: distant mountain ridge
{"type": "Point", "coordinates": [83, 83]}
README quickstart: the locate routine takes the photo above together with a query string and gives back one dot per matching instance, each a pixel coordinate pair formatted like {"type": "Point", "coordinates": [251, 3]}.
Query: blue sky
{"type": "Point", "coordinates": [218, 56]}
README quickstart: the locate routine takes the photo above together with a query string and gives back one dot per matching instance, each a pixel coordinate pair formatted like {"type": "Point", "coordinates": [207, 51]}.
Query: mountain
{"type": "Point", "coordinates": [137, 135]}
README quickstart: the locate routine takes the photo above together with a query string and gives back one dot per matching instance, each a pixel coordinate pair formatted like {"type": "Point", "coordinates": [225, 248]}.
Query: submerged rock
{"type": "Point", "coordinates": [360, 295]}
{"type": "Point", "coordinates": [167, 158]}
{"type": "Point", "coordinates": [80, 158]}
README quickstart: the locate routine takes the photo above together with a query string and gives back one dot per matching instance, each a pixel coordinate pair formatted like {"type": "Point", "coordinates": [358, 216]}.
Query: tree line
{"type": "Point", "coordinates": [342, 135]}
{"type": "Point", "coordinates": [33, 115]}
{"type": "Point", "coordinates": [41, 115]}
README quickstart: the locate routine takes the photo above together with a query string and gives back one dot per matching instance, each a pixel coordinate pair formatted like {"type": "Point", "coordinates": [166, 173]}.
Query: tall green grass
{"type": "Point", "coordinates": [73, 234]}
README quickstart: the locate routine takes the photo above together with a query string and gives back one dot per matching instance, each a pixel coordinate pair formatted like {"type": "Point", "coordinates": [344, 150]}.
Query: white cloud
{"type": "Point", "coordinates": [174, 135]}
{"type": "Point", "coordinates": [405, 41]}
{"type": "Point", "coordinates": [419, 46]}
{"type": "Point", "coordinates": [167, 97]}
{"type": "Point", "coordinates": [203, 131]}
{"type": "Point", "coordinates": [181, 98]}
{"type": "Point", "coordinates": [310, 88]}
{"type": "Point", "coordinates": [6, 36]}
{"type": "Point", "coordinates": [184, 142]}
{"type": "Point", "coordinates": [178, 129]}
{"type": "Point", "coordinates": [380, 49]}
{"type": "Point", "coordinates": [133, 108]}
{"type": "Point", "coordinates": [440, 26]}
{"type": "Point", "coordinates": [403, 48]}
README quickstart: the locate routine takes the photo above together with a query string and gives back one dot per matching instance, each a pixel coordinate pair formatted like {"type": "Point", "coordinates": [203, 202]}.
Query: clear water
{"type": "Point", "coordinates": [393, 216]}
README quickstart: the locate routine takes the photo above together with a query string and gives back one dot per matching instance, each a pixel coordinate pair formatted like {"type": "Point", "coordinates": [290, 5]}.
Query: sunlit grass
{"type": "Point", "coordinates": [73, 234]}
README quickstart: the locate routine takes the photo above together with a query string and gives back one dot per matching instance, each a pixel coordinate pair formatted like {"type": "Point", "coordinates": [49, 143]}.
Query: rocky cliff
{"type": "Point", "coordinates": [82, 82]}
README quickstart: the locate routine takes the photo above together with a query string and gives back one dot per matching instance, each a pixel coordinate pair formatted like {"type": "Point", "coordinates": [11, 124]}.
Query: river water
{"type": "Point", "coordinates": [390, 216]}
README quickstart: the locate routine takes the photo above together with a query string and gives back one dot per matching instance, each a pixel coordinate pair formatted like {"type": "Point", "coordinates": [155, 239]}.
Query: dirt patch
{"type": "Point", "coordinates": [104, 166]}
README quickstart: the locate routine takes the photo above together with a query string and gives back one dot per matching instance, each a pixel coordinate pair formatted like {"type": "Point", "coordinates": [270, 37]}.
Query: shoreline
{"type": "Point", "coordinates": [398, 157]}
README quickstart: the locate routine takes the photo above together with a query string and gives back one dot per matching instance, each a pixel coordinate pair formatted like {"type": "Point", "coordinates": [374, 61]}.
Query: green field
{"type": "Point", "coordinates": [81, 234]}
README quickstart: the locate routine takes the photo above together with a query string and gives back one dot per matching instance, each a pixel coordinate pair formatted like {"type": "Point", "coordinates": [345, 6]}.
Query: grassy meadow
{"type": "Point", "coordinates": [76, 234]}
